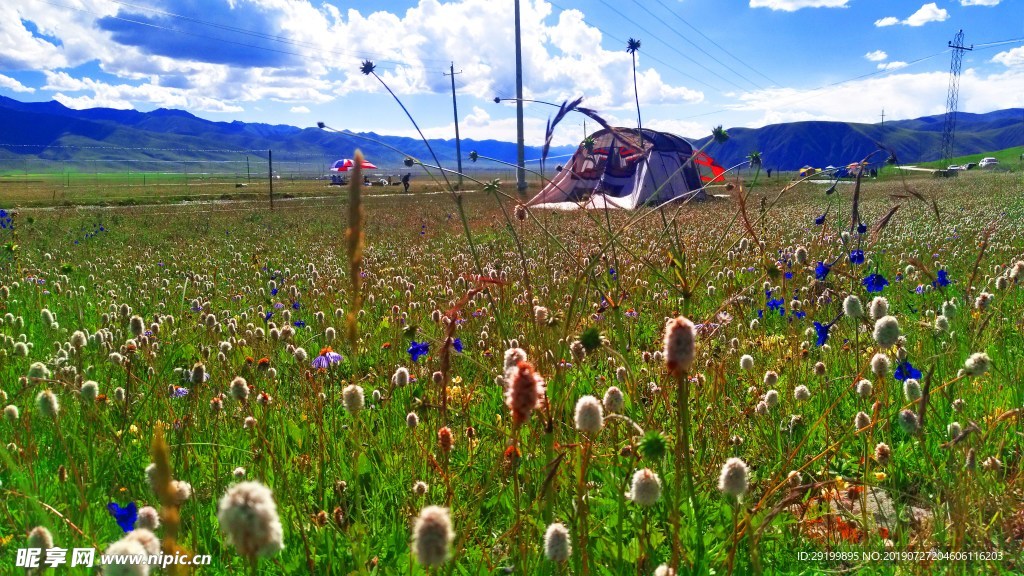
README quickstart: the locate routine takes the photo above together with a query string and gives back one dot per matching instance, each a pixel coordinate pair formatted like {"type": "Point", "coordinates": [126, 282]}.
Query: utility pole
{"type": "Point", "coordinates": [949, 128]}
{"type": "Point", "coordinates": [270, 176]}
{"type": "Point", "coordinates": [520, 152]}
{"type": "Point", "coordinates": [883, 117]}
{"type": "Point", "coordinates": [455, 109]}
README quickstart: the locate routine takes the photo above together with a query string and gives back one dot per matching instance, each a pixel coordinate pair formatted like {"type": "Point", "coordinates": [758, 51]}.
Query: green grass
{"type": "Point", "coordinates": [1008, 159]}
{"type": "Point", "coordinates": [188, 262]}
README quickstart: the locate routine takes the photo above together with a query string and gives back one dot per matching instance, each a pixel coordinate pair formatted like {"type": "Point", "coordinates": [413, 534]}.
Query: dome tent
{"type": "Point", "coordinates": [617, 169]}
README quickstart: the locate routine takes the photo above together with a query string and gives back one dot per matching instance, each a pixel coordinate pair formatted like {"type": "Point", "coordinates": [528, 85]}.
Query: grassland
{"type": "Point", "coordinates": [236, 290]}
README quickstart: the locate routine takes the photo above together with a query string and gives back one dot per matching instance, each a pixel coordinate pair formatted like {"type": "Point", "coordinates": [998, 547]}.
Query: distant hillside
{"type": "Point", "coordinates": [49, 132]}
{"type": "Point", "coordinates": [42, 133]}
{"type": "Point", "coordinates": [791, 146]}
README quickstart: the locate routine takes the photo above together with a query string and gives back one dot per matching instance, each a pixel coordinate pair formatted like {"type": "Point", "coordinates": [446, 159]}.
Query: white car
{"type": "Point", "coordinates": [988, 162]}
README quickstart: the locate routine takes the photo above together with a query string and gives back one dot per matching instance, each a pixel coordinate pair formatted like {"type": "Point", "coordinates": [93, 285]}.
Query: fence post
{"type": "Point", "coordinates": [270, 175]}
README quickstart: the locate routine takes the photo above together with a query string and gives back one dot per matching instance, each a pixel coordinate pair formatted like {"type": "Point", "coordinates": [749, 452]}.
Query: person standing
{"type": "Point", "coordinates": [405, 181]}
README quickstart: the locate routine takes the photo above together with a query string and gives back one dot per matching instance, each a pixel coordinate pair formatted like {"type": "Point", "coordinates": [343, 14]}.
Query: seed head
{"type": "Point", "coordinates": [11, 413]}
{"type": "Point", "coordinates": [589, 416]}
{"type": "Point", "coordinates": [248, 518]}
{"type": "Point", "coordinates": [879, 307]}
{"type": "Point", "coordinates": [40, 537]}
{"type": "Point", "coordinates": [149, 518]}
{"type": "Point", "coordinates": [432, 536]}
{"type": "Point", "coordinates": [47, 403]}
{"type": "Point", "coordinates": [412, 420]}
{"type": "Point", "coordinates": [401, 377]}
{"type": "Point", "coordinates": [557, 546]}
{"type": "Point", "coordinates": [771, 397]}
{"type": "Point", "coordinates": [908, 421]}
{"type": "Point", "coordinates": [239, 389]}
{"type": "Point", "coordinates": [852, 307]}
{"type": "Point", "coordinates": [977, 364]}
{"type": "Point", "coordinates": [523, 390]}
{"type": "Point", "coordinates": [646, 488]}
{"type": "Point", "coordinates": [882, 453]}
{"type": "Point", "coordinates": [861, 421]}
{"type": "Point", "coordinates": [911, 390]}
{"type": "Point", "coordinates": [680, 345]}
{"type": "Point", "coordinates": [880, 364]}
{"type": "Point", "coordinates": [747, 362]}
{"type": "Point", "coordinates": [771, 378]}
{"type": "Point", "coordinates": [801, 393]}
{"type": "Point", "coordinates": [613, 400]}
{"type": "Point", "coordinates": [353, 398]}
{"type": "Point", "coordinates": [887, 331]}
{"type": "Point", "coordinates": [90, 390]}
{"type": "Point", "coordinates": [444, 439]}
{"type": "Point", "coordinates": [734, 477]}
{"type": "Point", "coordinates": [864, 388]}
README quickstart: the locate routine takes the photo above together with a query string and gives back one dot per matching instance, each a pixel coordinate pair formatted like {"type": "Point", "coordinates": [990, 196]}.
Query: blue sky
{"type": "Point", "coordinates": [701, 63]}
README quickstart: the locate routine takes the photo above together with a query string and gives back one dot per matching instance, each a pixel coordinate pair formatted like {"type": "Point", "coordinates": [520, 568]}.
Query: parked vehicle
{"type": "Point", "coordinates": [989, 162]}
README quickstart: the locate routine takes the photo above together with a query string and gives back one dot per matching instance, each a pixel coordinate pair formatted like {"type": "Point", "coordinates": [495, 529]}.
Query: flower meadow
{"type": "Point", "coordinates": [360, 387]}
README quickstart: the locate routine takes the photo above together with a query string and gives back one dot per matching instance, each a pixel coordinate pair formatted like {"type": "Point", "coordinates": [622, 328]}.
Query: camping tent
{"type": "Point", "coordinates": [615, 169]}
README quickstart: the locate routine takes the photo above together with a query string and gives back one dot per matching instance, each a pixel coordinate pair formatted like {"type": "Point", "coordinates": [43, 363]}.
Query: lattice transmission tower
{"type": "Point", "coordinates": [949, 128]}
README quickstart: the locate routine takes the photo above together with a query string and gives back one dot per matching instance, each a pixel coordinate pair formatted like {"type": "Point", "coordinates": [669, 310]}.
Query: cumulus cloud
{"type": "Point", "coordinates": [929, 12]}
{"type": "Point", "coordinates": [1011, 58]}
{"type": "Point", "coordinates": [302, 52]}
{"type": "Point", "coordinates": [794, 5]}
{"type": "Point", "coordinates": [876, 56]}
{"type": "Point", "coordinates": [14, 85]}
{"type": "Point", "coordinates": [101, 94]}
{"type": "Point", "coordinates": [299, 110]}
{"type": "Point", "coordinates": [894, 65]}
{"type": "Point", "coordinates": [980, 2]}
{"type": "Point", "coordinates": [903, 96]}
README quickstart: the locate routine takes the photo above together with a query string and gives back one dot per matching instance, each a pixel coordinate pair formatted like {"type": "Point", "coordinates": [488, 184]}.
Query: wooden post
{"type": "Point", "coordinates": [270, 175]}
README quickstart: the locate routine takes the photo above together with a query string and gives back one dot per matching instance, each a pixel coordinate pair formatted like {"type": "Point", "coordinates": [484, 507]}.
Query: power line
{"type": "Point", "coordinates": [715, 44]}
{"type": "Point", "coordinates": [694, 44]}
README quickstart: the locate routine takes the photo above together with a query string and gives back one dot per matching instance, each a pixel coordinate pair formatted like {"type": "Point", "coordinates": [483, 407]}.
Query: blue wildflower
{"type": "Point", "coordinates": [822, 270]}
{"type": "Point", "coordinates": [941, 279]}
{"type": "Point", "coordinates": [862, 228]}
{"type": "Point", "coordinates": [906, 370]}
{"type": "Point", "coordinates": [417, 349]}
{"type": "Point", "coordinates": [776, 304]}
{"type": "Point", "coordinates": [856, 256]}
{"type": "Point", "coordinates": [326, 358]}
{"type": "Point", "coordinates": [179, 392]}
{"type": "Point", "coordinates": [273, 292]}
{"type": "Point", "coordinates": [822, 330]}
{"type": "Point", "coordinates": [296, 306]}
{"type": "Point", "coordinates": [299, 323]}
{"type": "Point", "coordinates": [788, 275]}
{"type": "Point", "coordinates": [126, 516]}
{"type": "Point", "coordinates": [267, 315]}
{"type": "Point", "coordinates": [875, 282]}
{"type": "Point", "coordinates": [800, 314]}
{"type": "Point", "coordinates": [820, 219]}
{"type": "Point", "coordinates": [457, 344]}
{"type": "Point", "coordinates": [613, 273]}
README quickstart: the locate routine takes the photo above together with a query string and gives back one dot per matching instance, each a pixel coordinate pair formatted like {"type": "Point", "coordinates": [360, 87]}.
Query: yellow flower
{"type": "Point", "coordinates": [133, 429]}
{"type": "Point", "coordinates": [840, 483]}
{"type": "Point", "coordinates": [879, 476]}
{"type": "Point", "coordinates": [457, 380]}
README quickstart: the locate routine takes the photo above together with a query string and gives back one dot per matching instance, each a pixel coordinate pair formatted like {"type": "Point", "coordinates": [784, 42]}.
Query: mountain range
{"type": "Point", "coordinates": [48, 132]}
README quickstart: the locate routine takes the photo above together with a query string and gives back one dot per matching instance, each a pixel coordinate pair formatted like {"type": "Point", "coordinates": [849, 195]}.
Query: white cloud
{"type": "Point", "coordinates": [980, 2]}
{"type": "Point", "coordinates": [125, 96]}
{"type": "Point", "coordinates": [894, 65]}
{"type": "Point", "coordinates": [1011, 58]}
{"type": "Point", "coordinates": [902, 95]}
{"type": "Point", "coordinates": [794, 5]}
{"type": "Point", "coordinates": [13, 85]}
{"type": "Point", "coordinates": [928, 13]}
{"type": "Point", "coordinates": [299, 110]}
{"type": "Point", "coordinates": [876, 56]}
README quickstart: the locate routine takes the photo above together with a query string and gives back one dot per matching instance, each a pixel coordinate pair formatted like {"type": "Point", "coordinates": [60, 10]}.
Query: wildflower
{"type": "Point", "coordinates": [412, 420]}
{"type": "Point", "coordinates": [132, 549]}
{"type": "Point", "coordinates": [149, 518]}
{"type": "Point", "coordinates": [747, 362]}
{"type": "Point", "coordinates": [862, 228]}
{"type": "Point", "coordinates": [874, 282]}
{"type": "Point", "coordinates": [992, 464]}
{"type": "Point", "coordinates": [908, 421]}
{"type": "Point", "coordinates": [38, 371]}
{"type": "Point", "coordinates": [557, 546]}
{"type": "Point", "coordinates": [734, 477]}
{"type": "Point", "coordinates": [771, 398]}
{"type": "Point", "coordinates": [589, 417]}
{"type": "Point", "coordinates": [11, 413]}
{"type": "Point", "coordinates": [906, 370]}
{"type": "Point", "coordinates": [400, 378]}
{"type": "Point", "coordinates": [856, 256]}
{"type": "Point", "coordinates": [954, 429]}
{"type": "Point", "coordinates": [613, 400]}
{"type": "Point", "coordinates": [941, 279]}
{"type": "Point", "coordinates": [852, 307]}
{"type": "Point", "coordinates": [680, 344]}
{"type": "Point", "coordinates": [646, 488]}
{"type": "Point", "coordinates": [90, 389]}
{"type": "Point", "coordinates": [652, 446]}
{"type": "Point", "coordinates": [771, 378]}
{"type": "Point", "coordinates": [887, 331]}
{"type": "Point", "coordinates": [249, 423]}
{"type": "Point", "coordinates": [861, 421]}
{"type": "Point", "coordinates": [664, 570]}
{"type": "Point", "coordinates": [182, 491]}
{"type": "Point", "coordinates": [821, 219]}
{"type": "Point", "coordinates": [941, 323]}
{"type": "Point", "coordinates": [822, 330]}
{"type": "Point", "coordinates": [352, 397]}
{"type": "Point", "coordinates": [513, 356]}
{"type": "Point", "coordinates": [248, 518]}
{"type": "Point", "coordinates": [40, 537]}
{"type": "Point", "coordinates": [819, 369]}
{"type": "Point", "coordinates": [977, 364]}
{"type": "Point", "coordinates": [879, 307]}
{"type": "Point", "coordinates": [444, 439]}
{"type": "Point", "coordinates": [882, 453]}
{"type": "Point", "coordinates": [47, 403]}
{"type": "Point", "coordinates": [801, 393]}
{"type": "Point", "coordinates": [432, 536]}
{"type": "Point", "coordinates": [880, 364]}
{"type": "Point", "coordinates": [238, 473]}
{"type": "Point", "coordinates": [795, 478]}
{"type": "Point", "coordinates": [326, 358]}
{"type": "Point", "coordinates": [864, 388]}
{"type": "Point", "coordinates": [126, 516]}
{"type": "Point", "coordinates": [523, 390]}
{"type": "Point", "coordinates": [457, 345]}
{"type": "Point", "coordinates": [239, 389]}
{"type": "Point", "coordinates": [821, 270]}
{"type": "Point", "coordinates": [417, 349]}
